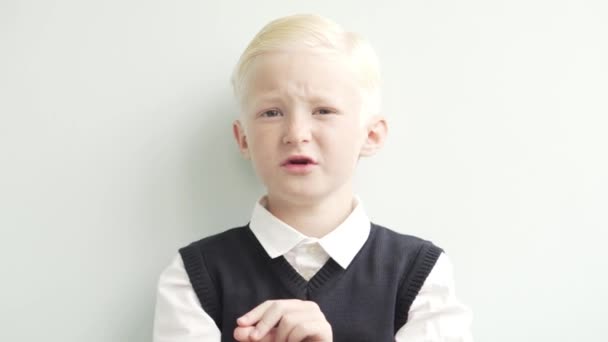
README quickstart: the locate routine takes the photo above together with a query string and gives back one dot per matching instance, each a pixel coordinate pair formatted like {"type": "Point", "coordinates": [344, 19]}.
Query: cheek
{"type": "Point", "coordinates": [344, 148]}
{"type": "Point", "coordinates": [260, 150]}
{"type": "Point", "coordinates": [256, 141]}
{"type": "Point", "coordinates": [349, 136]}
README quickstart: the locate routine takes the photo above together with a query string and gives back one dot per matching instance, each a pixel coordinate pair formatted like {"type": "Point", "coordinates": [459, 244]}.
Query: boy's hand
{"type": "Point", "coordinates": [286, 320]}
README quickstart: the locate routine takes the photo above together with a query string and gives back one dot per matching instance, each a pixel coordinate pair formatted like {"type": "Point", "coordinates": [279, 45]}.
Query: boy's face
{"type": "Point", "coordinates": [305, 104]}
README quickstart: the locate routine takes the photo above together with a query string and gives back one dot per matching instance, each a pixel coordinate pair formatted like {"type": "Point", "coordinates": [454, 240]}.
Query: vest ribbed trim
{"type": "Point", "coordinates": [412, 281]}
{"type": "Point", "coordinates": [330, 270]}
{"type": "Point", "coordinates": [201, 281]}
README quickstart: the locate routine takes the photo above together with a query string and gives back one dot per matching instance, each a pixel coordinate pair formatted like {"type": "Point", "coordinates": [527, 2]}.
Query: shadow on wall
{"type": "Point", "coordinates": [220, 186]}
{"type": "Point", "coordinates": [192, 186]}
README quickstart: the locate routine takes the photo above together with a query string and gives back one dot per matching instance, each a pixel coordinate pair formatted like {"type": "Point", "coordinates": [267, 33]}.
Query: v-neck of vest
{"type": "Point", "coordinates": [330, 271]}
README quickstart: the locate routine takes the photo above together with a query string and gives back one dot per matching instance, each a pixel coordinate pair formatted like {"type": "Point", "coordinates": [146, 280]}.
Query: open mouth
{"type": "Point", "coordinates": [302, 161]}
{"type": "Point", "coordinates": [299, 161]}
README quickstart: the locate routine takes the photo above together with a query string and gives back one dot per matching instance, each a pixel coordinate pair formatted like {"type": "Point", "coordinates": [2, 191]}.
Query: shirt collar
{"type": "Point", "coordinates": [341, 244]}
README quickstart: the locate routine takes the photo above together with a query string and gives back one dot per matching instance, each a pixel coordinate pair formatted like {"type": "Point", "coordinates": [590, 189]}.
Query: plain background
{"type": "Point", "coordinates": [116, 150]}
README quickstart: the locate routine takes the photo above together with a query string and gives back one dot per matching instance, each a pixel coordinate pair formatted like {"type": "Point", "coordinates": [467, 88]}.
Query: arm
{"type": "Point", "coordinates": [179, 317]}
{"type": "Point", "coordinates": [436, 314]}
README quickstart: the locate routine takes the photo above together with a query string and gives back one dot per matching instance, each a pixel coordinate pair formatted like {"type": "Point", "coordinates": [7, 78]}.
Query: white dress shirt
{"type": "Point", "coordinates": [435, 315]}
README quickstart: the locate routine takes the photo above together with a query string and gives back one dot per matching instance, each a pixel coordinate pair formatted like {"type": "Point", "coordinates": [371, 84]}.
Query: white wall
{"type": "Point", "coordinates": [116, 149]}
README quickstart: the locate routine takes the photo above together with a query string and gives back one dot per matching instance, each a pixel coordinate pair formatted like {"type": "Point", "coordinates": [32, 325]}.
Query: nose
{"type": "Point", "coordinates": [297, 129]}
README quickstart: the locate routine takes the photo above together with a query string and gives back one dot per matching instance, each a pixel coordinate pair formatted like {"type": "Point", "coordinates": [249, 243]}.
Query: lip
{"type": "Point", "coordinates": [311, 161]}
{"type": "Point", "coordinates": [299, 168]}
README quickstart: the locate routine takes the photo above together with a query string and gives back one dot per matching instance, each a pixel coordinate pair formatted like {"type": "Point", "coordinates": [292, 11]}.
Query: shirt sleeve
{"type": "Point", "coordinates": [179, 316]}
{"type": "Point", "coordinates": [436, 315]}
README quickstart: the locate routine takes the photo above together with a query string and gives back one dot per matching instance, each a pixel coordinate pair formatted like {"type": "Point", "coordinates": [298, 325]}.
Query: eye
{"type": "Point", "coordinates": [271, 113]}
{"type": "Point", "coordinates": [324, 111]}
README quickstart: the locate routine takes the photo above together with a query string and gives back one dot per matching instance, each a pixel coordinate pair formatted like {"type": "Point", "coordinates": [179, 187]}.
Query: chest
{"type": "Point", "coordinates": [359, 303]}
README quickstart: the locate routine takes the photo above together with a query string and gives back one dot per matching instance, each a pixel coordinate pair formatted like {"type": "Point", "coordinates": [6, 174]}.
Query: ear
{"type": "Point", "coordinates": [240, 137]}
{"type": "Point", "coordinates": [376, 130]}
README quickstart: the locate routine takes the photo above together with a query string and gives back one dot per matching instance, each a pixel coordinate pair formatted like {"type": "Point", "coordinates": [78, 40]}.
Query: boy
{"type": "Point", "coordinates": [309, 265]}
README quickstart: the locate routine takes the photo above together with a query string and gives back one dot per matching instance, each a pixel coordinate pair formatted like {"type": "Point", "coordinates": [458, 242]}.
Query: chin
{"type": "Point", "coordinates": [300, 193]}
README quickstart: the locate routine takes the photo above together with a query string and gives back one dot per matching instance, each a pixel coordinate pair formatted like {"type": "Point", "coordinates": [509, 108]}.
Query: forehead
{"type": "Point", "coordinates": [301, 74]}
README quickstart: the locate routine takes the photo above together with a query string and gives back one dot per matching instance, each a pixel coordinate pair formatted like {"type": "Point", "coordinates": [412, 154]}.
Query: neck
{"type": "Point", "coordinates": [313, 218]}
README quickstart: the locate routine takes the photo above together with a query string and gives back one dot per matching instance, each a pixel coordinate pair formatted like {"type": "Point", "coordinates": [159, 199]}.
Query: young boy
{"type": "Point", "coordinates": [309, 265]}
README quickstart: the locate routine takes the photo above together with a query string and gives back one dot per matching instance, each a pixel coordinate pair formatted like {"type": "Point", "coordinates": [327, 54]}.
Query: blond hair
{"type": "Point", "coordinates": [317, 32]}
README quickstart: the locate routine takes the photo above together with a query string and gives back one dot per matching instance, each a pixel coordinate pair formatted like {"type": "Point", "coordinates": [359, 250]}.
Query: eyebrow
{"type": "Point", "coordinates": [316, 98]}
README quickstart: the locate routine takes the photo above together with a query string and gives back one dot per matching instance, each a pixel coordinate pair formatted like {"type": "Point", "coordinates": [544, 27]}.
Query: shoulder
{"type": "Point", "coordinates": [173, 273]}
{"type": "Point", "coordinates": [407, 250]}
{"type": "Point", "coordinates": [442, 274]}
{"type": "Point", "coordinates": [390, 237]}
{"type": "Point", "coordinates": [219, 242]}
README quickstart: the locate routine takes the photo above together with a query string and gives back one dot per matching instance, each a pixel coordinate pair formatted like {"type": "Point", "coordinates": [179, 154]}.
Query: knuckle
{"type": "Point", "coordinates": [291, 302]}
{"type": "Point", "coordinates": [314, 305]}
{"type": "Point", "coordinates": [276, 306]}
{"type": "Point", "coordinates": [262, 325]}
{"type": "Point", "coordinates": [287, 320]}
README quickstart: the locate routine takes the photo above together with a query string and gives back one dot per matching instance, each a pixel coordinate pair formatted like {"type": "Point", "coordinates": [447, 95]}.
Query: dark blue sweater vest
{"type": "Point", "coordinates": [231, 273]}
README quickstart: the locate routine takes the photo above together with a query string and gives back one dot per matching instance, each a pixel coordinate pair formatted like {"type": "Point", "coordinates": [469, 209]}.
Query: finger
{"type": "Point", "coordinates": [254, 315]}
{"type": "Point", "coordinates": [308, 320]}
{"type": "Point", "coordinates": [318, 330]}
{"type": "Point", "coordinates": [269, 320]}
{"type": "Point", "coordinates": [270, 337]}
{"type": "Point", "coordinates": [289, 321]}
{"type": "Point", "coordinates": [241, 334]}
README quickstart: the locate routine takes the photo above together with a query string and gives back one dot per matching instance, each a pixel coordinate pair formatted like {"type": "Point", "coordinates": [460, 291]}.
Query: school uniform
{"type": "Point", "coordinates": [372, 284]}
